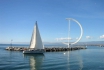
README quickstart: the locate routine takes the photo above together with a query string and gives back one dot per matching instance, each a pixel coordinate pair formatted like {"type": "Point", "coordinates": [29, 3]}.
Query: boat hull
{"type": "Point", "coordinates": [33, 52]}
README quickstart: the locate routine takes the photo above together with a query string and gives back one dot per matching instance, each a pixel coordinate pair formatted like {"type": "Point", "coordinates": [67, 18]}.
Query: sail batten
{"type": "Point", "coordinates": [36, 41]}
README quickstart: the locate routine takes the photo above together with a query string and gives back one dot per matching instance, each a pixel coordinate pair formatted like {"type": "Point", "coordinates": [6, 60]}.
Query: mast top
{"type": "Point", "coordinates": [36, 22]}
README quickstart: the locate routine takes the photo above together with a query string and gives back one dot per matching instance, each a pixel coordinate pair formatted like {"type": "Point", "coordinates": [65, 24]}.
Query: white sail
{"type": "Point", "coordinates": [36, 41]}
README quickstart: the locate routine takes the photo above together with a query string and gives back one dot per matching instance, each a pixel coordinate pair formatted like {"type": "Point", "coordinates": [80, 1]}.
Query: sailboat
{"type": "Point", "coordinates": [36, 45]}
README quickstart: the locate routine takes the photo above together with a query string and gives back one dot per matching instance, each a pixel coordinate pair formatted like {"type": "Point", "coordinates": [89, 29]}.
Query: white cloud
{"type": "Point", "coordinates": [77, 38]}
{"type": "Point", "coordinates": [102, 37]}
{"type": "Point", "coordinates": [88, 37]}
{"type": "Point", "coordinates": [57, 39]}
{"type": "Point", "coordinates": [63, 39]}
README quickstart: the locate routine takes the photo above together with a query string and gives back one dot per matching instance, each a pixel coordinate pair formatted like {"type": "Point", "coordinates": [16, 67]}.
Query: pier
{"type": "Point", "coordinates": [59, 49]}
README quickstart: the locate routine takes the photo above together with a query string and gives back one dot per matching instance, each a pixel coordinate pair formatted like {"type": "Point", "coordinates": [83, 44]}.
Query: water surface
{"type": "Point", "coordinates": [89, 59]}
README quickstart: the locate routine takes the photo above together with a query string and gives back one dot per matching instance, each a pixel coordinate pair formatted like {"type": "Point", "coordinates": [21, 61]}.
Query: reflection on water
{"type": "Point", "coordinates": [74, 60]}
{"type": "Point", "coordinates": [35, 60]}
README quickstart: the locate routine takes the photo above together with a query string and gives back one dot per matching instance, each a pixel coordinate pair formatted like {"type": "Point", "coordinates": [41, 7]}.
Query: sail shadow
{"type": "Point", "coordinates": [35, 60]}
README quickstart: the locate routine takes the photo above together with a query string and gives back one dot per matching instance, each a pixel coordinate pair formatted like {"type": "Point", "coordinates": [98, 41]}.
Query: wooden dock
{"type": "Point", "coordinates": [46, 49]}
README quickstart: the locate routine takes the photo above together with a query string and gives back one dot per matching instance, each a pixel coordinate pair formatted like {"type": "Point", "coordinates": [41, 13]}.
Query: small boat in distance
{"type": "Point", "coordinates": [36, 45]}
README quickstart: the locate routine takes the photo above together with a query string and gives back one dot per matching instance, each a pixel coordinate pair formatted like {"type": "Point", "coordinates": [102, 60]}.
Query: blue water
{"type": "Point", "coordinates": [89, 59]}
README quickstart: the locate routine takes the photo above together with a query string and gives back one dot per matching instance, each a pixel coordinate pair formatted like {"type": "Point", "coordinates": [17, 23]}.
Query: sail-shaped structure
{"type": "Point", "coordinates": [36, 45]}
{"type": "Point", "coordinates": [36, 41]}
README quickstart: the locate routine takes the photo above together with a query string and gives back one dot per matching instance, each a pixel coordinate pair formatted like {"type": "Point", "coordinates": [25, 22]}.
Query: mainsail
{"type": "Point", "coordinates": [36, 41]}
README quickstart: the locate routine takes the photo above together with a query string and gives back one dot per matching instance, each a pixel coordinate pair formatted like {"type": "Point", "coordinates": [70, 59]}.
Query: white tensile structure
{"type": "Point", "coordinates": [36, 45]}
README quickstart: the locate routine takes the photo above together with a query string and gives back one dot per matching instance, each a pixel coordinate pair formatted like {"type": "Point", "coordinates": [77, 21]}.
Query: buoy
{"type": "Point", "coordinates": [64, 53]}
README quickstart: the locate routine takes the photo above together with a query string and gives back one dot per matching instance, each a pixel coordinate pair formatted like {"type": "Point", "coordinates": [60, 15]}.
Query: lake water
{"type": "Point", "coordinates": [91, 58]}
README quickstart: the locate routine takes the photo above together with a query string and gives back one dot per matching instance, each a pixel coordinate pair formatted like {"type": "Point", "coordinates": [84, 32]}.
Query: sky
{"type": "Point", "coordinates": [18, 17]}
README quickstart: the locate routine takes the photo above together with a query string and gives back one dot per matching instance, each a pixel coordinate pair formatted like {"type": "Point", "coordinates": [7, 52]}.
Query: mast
{"type": "Point", "coordinates": [69, 34]}
{"type": "Point", "coordinates": [11, 42]}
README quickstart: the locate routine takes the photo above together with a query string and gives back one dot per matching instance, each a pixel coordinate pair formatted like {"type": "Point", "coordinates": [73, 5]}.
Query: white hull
{"type": "Point", "coordinates": [33, 52]}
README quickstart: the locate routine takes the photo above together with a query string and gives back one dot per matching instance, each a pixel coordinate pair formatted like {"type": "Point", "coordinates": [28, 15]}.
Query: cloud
{"type": "Point", "coordinates": [102, 37]}
{"type": "Point", "coordinates": [88, 37]}
{"type": "Point", "coordinates": [77, 38]}
{"type": "Point", "coordinates": [63, 39]}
